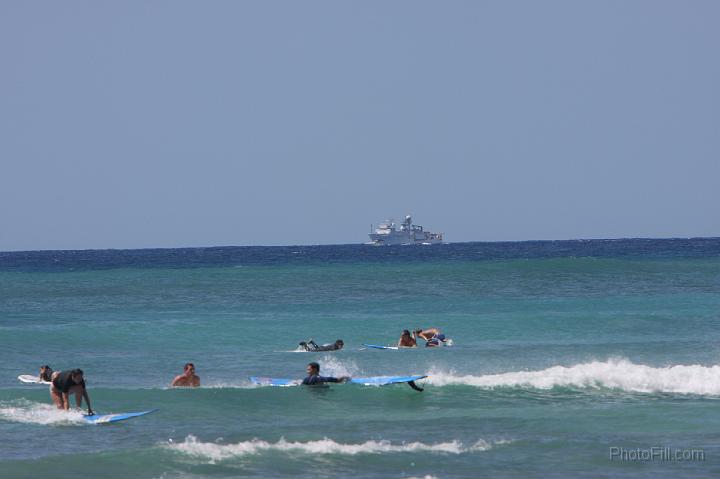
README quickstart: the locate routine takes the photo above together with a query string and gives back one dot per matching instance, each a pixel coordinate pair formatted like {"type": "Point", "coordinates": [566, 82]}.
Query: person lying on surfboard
{"type": "Point", "coordinates": [432, 336]}
{"type": "Point", "coordinates": [310, 345]}
{"type": "Point", "coordinates": [188, 379]}
{"type": "Point", "coordinates": [46, 373]}
{"type": "Point", "coordinates": [65, 383]}
{"type": "Point", "coordinates": [314, 379]}
{"type": "Point", "coordinates": [406, 340]}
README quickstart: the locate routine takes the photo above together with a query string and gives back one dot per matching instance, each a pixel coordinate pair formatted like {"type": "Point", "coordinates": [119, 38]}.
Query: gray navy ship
{"type": "Point", "coordinates": [387, 233]}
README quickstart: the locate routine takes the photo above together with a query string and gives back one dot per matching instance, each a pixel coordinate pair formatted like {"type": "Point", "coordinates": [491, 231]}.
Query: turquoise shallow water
{"type": "Point", "coordinates": [562, 351]}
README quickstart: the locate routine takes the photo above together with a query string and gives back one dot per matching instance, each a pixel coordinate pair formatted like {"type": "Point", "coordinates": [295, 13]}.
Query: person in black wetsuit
{"type": "Point", "coordinates": [310, 345]}
{"type": "Point", "coordinates": [65, 383]}
{"type": "Point", "coordinates": [314, 379]}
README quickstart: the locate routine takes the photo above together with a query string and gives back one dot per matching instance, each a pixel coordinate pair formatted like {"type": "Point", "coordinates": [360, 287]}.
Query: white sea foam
{"type": "Point", "coordinates": [217, 452]}
{"type": "Point", "coordinates": [613, 374]}
{"type": "Point", "coordinates": [239, 384]}
{"type": "Point", "coordinates": [331, 365]}
{"type": "Point", "coordinates": [37, 413]}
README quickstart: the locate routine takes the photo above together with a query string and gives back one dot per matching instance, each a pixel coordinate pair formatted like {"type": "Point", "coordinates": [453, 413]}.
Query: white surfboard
{"type": "Point", "coordinates": [30, 379]}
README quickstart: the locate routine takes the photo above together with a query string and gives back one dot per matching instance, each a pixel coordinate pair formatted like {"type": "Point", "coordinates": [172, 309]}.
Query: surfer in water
{"type": "Point", "coordinates": [188, 379]}
{"type": "Point", "coordinates": [65, 383]}
{"type": "Point", "coordinates": [314, 379]}
{"type": "Point", "coordinates": [406, 340]}
{"type": "Point", "coordinates": [312, 346]}
{"type": "Point", "coordinates": [432, 336]}
{"type": "Point", "coordinates": [46, 373]}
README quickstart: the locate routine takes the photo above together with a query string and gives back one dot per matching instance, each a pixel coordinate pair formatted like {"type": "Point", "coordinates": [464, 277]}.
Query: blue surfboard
{"type": "Point", "coordinates": [377, 346]}
{"type": "Point", "coordinates": [385, 380]}
{"type": "Point", "coordinates": [368, 381]}
{"type": "Point", "coordinates": [265, 381]}
{"type": "Point", "coordinates": [108, 418]}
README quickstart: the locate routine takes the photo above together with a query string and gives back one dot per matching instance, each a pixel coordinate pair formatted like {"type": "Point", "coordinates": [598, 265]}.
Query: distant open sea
{"type": "Point", "coordinates": [570, 359]}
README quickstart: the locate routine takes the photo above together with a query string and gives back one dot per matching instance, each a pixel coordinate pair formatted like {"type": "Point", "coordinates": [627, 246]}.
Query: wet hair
{"type": "Point", "coordinates": [417, 331]}
{"type": "Point", "coordinates": [46, 373]}
{"type": "Point", "coordinates": [76, 372]}
{"type": "Point", "coordinates": [315, 366]}
{"type": "Point", "coordinates": [406, 332]}
{"type": "Point", "coordinates": [340, 341]}
{"type": "Point", "coordinates": [188, 365]}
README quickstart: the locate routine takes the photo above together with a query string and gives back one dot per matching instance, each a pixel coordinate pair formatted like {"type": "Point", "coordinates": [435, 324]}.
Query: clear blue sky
{"type": "Point", "coordinates": [174, 123]}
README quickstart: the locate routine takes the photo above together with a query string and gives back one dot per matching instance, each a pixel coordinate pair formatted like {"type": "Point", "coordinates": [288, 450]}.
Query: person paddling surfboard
{"type": "Point", "coordinates": [310, 345]}
{"type": "Point", "coordinates": [314, 379]}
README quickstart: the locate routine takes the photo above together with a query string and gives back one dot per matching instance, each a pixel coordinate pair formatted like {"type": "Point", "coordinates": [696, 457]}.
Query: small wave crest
{"type": "Point", "coordinates": [37, 413]}
{"type": "Point", "coordinates": [612, 374]}
{"type": "Point", "coordinates": [333, 366]}
{"type": "Point", "coordinates": [218, 452]}
{"type": "Point", "coordinates": [239, 384]}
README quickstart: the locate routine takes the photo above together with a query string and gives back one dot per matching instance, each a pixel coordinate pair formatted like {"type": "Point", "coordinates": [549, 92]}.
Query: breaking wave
{"type": "Point", "coordinates": [217, 452]}
{"type": "Point", "coordinates": [36, 413]}
{"type": "Point", "coordinates": [612, 374]}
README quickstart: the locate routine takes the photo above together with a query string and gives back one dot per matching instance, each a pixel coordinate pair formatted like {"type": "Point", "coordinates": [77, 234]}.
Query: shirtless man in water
{"type": "Point", "coordinates": [188, 378]}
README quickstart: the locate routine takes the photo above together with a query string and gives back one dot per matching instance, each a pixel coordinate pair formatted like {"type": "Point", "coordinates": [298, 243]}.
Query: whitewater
{"type": "Point", "coordinates": [618, 374]}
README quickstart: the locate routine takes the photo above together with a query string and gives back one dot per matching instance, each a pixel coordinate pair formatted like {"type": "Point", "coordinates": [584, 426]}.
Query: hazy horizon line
{"type": "Point", "coordinates": [364, 244]}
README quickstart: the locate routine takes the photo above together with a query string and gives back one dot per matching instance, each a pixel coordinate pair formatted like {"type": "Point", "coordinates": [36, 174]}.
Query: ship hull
{"type": "Point", "coordinates": [400, 239]}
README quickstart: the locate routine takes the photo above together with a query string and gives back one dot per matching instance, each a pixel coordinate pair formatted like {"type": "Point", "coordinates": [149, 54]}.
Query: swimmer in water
{"type": "Point", "coordinates": [188, 379]}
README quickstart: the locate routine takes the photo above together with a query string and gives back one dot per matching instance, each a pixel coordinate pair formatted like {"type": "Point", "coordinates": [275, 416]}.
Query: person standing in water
{"type": "Point", "coordinates": [65, 383]}
{"type": "Point", "coordinates": [188, 378]}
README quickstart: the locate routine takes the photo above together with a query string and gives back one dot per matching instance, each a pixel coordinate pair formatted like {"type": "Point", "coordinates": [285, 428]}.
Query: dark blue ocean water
{"type": "Point", "coordinates": [564, 353]}
{"type": "Point", "coordinates": [48, 261]}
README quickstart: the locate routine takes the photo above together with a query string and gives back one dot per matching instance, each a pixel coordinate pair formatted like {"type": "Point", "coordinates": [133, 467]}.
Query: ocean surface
{"type": "Point", "coordinates": [570, 359]}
